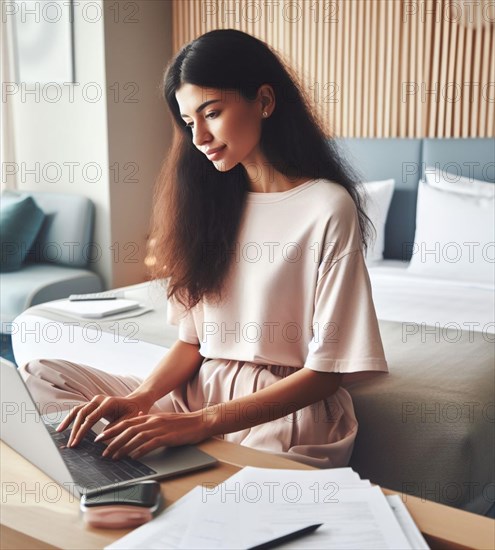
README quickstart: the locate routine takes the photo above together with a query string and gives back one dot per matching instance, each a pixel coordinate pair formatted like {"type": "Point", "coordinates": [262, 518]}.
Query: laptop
{"type": "Point", "coordinates": [81, 470]}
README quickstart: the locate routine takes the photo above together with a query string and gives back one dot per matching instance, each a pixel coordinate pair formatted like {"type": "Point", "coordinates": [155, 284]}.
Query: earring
{"type": "Point", "coordinates": [265, 114]}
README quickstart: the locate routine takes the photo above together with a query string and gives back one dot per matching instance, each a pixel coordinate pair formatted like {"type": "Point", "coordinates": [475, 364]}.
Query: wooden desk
{"type": "Point", "coordinates": [37, 513]}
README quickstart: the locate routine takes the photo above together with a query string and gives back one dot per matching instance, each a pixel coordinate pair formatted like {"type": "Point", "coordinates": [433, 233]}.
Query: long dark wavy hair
{"type": "Point", "coordinates": [197, 209]}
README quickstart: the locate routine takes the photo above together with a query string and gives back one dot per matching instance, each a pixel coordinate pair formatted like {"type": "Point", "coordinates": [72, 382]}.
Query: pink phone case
{"type": "Point", "coordinates": [117, 516]}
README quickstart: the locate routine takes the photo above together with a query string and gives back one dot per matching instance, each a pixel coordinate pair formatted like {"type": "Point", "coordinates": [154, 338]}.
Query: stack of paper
{"type": "Point", "coordinates": [257, 505]}
{"type": "Point", "coordinates": [92, 309]}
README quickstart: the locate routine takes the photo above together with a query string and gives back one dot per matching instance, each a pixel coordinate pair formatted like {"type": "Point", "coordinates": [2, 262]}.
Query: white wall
{"type": "Point", "coordinates": [139, 129]}
{"type": "Point", "coordinates": [100, 135]}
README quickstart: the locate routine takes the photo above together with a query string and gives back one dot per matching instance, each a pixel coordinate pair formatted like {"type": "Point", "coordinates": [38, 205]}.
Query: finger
{"type": "Point", "coordinates": [119, 425]}
{"type": "Point", "coordinates": [118, 420]}
{"type": "Point", "coordinates": [69, 418]}
{"type": "Point", "coordinates": [116, 429]}
{"type": "Point", "coordinates": [148, 446]}
{"type": "Point", "coordinates": [115, 446]}
{"type": "Point", "coordinates": [80, 426]}
{"type": "Point", "coordinates": [100, 411]}
{"type": "Point", "coordinates": [150, 438]}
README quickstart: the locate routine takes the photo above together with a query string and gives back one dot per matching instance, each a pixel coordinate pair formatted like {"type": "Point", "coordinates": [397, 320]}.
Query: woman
{"type": "Point", "coordinates": [259, 235]}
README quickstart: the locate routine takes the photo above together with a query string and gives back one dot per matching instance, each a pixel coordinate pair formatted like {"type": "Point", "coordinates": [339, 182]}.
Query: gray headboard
{"type": "Point", "coordinates": [405, 160]}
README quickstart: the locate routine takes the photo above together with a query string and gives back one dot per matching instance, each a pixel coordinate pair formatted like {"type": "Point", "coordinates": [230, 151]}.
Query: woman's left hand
{"type": "Point", "coordinates": [142, 434]}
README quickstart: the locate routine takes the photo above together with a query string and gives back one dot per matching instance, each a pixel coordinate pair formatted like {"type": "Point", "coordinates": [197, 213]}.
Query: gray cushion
{"type": "Point", "coordinates": [65, 237]}
{"type": "Point", "coordinates": [20, 221]}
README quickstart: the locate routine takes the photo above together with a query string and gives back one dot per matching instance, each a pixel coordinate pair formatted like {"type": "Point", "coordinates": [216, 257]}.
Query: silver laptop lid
{"type": "Point", "coordinates": [23, 429]}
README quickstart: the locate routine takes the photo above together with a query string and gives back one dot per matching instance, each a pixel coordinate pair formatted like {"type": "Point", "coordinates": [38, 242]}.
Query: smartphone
{"type": "Point", "coordinates": [121, 507]}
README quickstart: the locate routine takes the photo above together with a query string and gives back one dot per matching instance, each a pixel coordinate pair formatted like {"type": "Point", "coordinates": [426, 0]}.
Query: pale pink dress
{"type": "Point", "coordinates": [298, 295]}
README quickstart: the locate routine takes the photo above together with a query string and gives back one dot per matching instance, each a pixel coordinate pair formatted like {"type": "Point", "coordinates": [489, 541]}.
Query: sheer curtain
{"type": "Point", "coordinates": [7, 152]}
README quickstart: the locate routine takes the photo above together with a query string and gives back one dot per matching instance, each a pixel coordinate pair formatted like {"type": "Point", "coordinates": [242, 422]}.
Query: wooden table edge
{"type": "Point", "coordinates": [442, 526]}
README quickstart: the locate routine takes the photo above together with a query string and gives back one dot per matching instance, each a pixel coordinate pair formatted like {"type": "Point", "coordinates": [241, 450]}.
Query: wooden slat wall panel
{"type": "Point", "coordinates": [466, 92]}
{"type": "Point", "coordinates": [366, 75]}
{"type": "Point", "coordinates": [391, 68]}
{"type": "Point", "coordinates": [358, 97]}
{"type": "Point", "coordinates": [458, 90]}
{"type": "Point", "coordinates": [418, 75]}
{"type": "Point", "coordinates": [374, 33]}
{"type": "Point", "coordinates": [490, 119]}
{"type": "Point", "coordinates": [395, 100]}
{"type": "Point", "coordinates": [476, 77]}
{"type": "Point", "coordinates": [442, 76]}
{"type": "Point", "coordinates": [380, 67]}
{"type": "Point", "coordinates": [404, 47]}
{"type": "Point", "coordinates": [450, 78]}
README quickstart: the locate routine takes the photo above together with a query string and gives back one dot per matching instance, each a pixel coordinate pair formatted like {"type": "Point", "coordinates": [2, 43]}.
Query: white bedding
{"type": "Point", "coordinates": [424, 301]}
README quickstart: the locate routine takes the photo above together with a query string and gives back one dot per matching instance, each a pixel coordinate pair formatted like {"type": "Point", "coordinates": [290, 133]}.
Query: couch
{"type": "Point", "coordinates": [59, 261]}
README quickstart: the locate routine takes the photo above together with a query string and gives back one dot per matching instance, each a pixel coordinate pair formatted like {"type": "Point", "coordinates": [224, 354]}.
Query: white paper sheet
{"type": "Point", "coordinates": [93, 309]}
{"type": "Point", "coordinates": [413, 534]}
{"type": "Point", "coordinates": [259, 504]}
{"type": "Point", "coordinates": [256, 505]}
{"type": "Point", "coordinates": [164, 531]}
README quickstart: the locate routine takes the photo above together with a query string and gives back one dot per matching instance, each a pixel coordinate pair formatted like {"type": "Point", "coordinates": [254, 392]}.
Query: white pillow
{"type": "Point", "coordinates": [378, 199]}
{"type": "Point", "coordinates": [454, 236]}
{"type": "Point", "coordinates": [436, 177]}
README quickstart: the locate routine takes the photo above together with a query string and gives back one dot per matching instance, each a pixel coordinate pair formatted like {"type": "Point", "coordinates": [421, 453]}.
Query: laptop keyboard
{"type": "Point", "coordinates": [89, 468]}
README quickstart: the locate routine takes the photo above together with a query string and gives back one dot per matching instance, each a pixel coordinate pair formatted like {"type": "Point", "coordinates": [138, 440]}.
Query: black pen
{"type": "Point", "coordinates": [286, 538]}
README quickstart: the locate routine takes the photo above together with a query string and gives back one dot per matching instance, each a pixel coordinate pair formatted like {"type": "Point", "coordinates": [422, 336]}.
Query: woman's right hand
{"type": "Point", "coordinates": [112, 408]}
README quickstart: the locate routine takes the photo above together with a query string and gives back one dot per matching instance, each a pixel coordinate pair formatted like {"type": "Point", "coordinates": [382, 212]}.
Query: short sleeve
{"type": "Point", "coordinates": [346, 336]}
{"type": "Point", "coordinates": [178, 315]}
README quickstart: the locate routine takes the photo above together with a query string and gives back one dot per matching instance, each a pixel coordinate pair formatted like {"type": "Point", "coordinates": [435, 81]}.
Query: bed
{"type": "Point", "coordinates": [427, 428]}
